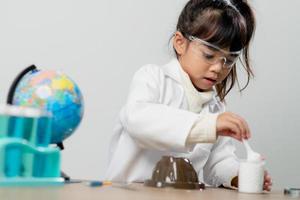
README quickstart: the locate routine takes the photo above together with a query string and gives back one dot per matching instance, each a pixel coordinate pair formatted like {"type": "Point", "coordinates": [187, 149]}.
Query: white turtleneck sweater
{"type": "Point", "coordinates": [204, 129]}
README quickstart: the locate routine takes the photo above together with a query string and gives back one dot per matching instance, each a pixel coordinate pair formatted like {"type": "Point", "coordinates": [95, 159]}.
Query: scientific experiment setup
{"type": "Point", "coordinates": [44, 107]}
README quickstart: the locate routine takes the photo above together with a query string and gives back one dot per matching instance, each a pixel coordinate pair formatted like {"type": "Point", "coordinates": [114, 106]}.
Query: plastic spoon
{"type": "Point", "coordinates": [251, 155]}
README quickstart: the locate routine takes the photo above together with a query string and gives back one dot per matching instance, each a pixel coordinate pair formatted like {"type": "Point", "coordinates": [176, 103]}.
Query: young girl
{"type": "Point", "coordinates": [178, 109]}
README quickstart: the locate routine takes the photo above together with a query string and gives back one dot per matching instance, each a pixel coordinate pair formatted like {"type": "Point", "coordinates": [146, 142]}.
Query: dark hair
{"type": "Point", "coordinates": [224, 23]}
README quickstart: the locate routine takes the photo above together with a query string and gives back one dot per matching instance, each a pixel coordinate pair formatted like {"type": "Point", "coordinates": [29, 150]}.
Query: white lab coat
{"type": "Point", "coordinates": [155, 122]}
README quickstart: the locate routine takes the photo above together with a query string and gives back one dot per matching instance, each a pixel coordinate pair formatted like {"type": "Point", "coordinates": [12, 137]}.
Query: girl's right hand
{"type": "Point", "coordinates": [232, 125]}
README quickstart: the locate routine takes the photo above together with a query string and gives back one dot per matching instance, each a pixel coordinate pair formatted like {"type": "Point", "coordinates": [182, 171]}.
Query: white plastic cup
{"type": "Point", "coordinates": [251, 176]}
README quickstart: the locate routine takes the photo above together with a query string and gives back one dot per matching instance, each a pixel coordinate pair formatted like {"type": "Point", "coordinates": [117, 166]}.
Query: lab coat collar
{"type": "Point", "coordinates": [172, 69]}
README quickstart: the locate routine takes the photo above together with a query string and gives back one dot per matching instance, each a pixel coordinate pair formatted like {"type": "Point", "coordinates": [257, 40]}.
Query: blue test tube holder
{"type": "Point", "coordinates": [26, 157]}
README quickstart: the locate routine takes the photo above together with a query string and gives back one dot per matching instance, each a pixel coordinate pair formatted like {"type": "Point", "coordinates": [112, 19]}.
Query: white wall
{"type": "Point", "coordinates": [101, 43]}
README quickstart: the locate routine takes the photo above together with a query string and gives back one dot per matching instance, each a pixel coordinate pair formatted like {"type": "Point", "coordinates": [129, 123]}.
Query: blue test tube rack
{"type": "Point", "coordinates": [26, 156]}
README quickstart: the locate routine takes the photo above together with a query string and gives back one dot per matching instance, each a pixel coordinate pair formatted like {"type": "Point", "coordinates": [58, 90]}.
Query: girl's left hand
{"type": "Point", "coordinates": [267, 182]}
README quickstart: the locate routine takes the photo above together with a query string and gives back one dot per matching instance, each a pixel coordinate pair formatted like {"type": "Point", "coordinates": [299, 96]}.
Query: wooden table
{"type": "Point", "coordinates": [130, 192]}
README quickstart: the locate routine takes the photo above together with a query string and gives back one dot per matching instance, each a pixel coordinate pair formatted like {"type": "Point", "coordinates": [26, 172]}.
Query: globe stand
{"type": "Point", "coordinates": [65, 176]}
{"type": "Point", "coordinates": [13, 86]}
{"type": "Point", "coordinates": [60, 145]}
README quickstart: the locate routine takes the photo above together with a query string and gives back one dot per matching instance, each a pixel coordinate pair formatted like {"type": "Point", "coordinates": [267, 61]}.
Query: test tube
{"type": "Point", "coordinates": [13, 153]}
{"type": "Point", "coordinates": [4, 118]}
{"type": "Point", "coordinates": [30, 120]}
{"type": "Point", "coordinates": [43, 136]}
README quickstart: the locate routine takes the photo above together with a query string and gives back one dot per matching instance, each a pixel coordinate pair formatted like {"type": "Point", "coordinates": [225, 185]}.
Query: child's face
{"type": "Point", "coordinates": [195, 61]}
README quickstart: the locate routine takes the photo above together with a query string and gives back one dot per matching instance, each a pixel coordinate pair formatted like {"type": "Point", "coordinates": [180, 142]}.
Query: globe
{"type": "Point", "coordinates": [55, 92]}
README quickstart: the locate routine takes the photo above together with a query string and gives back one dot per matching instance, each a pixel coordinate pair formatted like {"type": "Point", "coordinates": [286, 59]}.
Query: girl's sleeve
{"type": "Point", "coordinates": [151, 124]}
{"type": "Point", "coordinates": [204, 129]}
{"type": "Point", "coordinates": [222, 164]}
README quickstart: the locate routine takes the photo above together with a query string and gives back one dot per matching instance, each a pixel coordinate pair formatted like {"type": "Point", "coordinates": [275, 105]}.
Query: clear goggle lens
{"type": "Point", "coordinates": [228, 59]}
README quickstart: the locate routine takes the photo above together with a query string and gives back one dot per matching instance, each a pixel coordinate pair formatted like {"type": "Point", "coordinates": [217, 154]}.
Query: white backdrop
{"type": "Point", "coordinates": [100, 44]}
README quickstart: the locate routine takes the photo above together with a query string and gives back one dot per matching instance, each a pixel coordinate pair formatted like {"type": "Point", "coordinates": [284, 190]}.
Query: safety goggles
{"type": "Point", "coordinates": [227, 58]}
